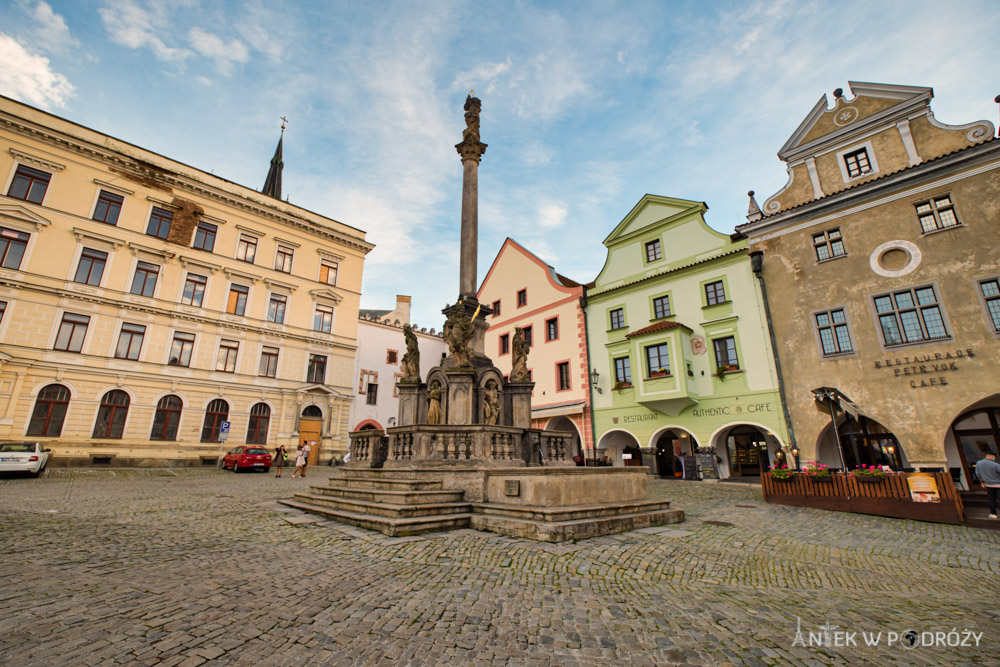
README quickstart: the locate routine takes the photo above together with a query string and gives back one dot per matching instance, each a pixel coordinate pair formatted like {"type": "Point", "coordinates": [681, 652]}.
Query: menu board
{"type": "Point", "coordinates": [709, 469]}
{"type": "Point", "coordinates": [690, 464]}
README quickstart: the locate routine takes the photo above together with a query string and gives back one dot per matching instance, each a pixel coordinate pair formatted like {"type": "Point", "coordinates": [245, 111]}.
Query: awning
{"type": "Point", "coordinates": [827, 394]}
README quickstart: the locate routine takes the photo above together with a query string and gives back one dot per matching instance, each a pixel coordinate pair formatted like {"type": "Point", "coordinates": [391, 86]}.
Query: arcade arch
{"type": "Point", "coordinates": [615, 443]}
{"type": "Point", "coordinates": [668, 446]}
{"type": "Point", "coordinates": [566, 424]}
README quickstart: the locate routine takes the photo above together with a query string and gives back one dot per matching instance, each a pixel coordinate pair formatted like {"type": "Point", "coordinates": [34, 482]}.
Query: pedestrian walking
{"type": "Point", "coordinates": [300, 462]}
{"type": "Point", "coordinates": [988, 472]}
{"type": "Point", "coordinates": [305, 458]}
{"type": "Point", "coordinates": [279, 460]}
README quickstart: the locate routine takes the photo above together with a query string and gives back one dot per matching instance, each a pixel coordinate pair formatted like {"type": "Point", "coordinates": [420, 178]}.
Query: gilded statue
{"type": "Point", "coordinates": [434, 403]}
{"type": "Point", "coordinates": [411, 359]}
{"type": "Point", "coordinates": [519, 357]}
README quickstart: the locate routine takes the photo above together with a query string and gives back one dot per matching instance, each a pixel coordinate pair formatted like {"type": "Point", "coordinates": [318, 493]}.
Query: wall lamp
{"type": "Point", "coordinates": [594, 377]}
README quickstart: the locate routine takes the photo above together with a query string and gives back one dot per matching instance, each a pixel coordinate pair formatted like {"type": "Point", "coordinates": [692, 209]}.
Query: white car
{"type": "Point", "coordinates": [29, 457]}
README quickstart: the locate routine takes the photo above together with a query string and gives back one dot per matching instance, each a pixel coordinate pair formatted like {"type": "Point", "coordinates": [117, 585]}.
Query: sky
{"type": "Point", "coordinates": [587, 106]}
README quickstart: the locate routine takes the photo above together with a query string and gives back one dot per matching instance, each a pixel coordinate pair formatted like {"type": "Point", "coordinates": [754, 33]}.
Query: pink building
{"type": "Point", "coordinates": [526, 292]}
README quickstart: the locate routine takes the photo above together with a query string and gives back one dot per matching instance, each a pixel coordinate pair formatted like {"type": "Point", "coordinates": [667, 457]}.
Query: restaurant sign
{"type": "Point", "coordinates": [927, 370]}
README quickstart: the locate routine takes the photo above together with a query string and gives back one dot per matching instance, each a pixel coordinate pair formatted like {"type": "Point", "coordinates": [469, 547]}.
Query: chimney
{"type": "Point", "coordinates": [402, 312]}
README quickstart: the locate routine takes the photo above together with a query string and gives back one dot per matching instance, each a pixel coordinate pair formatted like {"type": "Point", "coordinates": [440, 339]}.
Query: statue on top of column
{"type": "Point", "coordinates": [519, 357]}
{"type": "Point", "coordinates": [473, 105]}
{"type": "Point", "coordinates": [411, 360]}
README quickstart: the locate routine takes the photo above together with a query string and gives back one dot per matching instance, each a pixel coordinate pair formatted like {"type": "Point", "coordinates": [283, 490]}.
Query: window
{"type": "Point", "coordinates": [159, 223]}
{"type": "Point", "coordinates": [109, 205]}
{"type": "Point", "coordinates": [228, 351]}
{"type": "Point", "coordinates": [725, 354]}
{"type": "Point", "coordinates": [857, 162]}
{"type": "Point", "coordinates": [328, 272]}
{"type": "Point", "coordinates": [528, 334]}
{"type": "Point", "coordinates": [237, 304]}
{"type": "Point", "coordinates": [658, 360]}
{"type": "Point", "coordinates": [268, 362]}
{"type": "Point", "coordinates": [276, 308]}
{"type": "Point", "coordinates": [522, 298]}
{"type": "Point", "coordinates": [618, 318]}
{"type": "Point", "coordinates": [623, 370]}
{"type": "Point", "coordinates": [661, 307]}
{"type": "Point", "coordinates": [392, 357]}
{"type": "Point", "coordinates": [12, 247]}
{"type": "Point", "coordinates": [29, 184]}
{"type": "Point", "coordinates": [829, 244]}
{"type": "Point", "coordinates": [194, 290]}
{"type": "Point", "coordinates": [371, 396]}
{"type": "Point", "coordinates": [91, 267]}
{"type": "Point", "coordinates": [834, 336]}
{"type": "Point", "coordinates": [323, 320]}
{"type": "Point", "coordinates": [551, 329]}
{"type": "Point", "coordinates": [216, 413]}
{"type": "Point", "coordinates": [504, 343]}
{"type": "Point", "coordinates": [496, 309]}
{"type": "Point", "coordinates": [260, 417]}
{"type": "Point", "coordinates": [653, 251]}
{"type": "Point", "coordinates": [562, 375]}
{"type": "Point", "coordinates": [715, 293]}
{"type": "Point", "coordinates": [130, 341]}
{"type": "Point", "coordinates": [72, 331]}
{"type": "Point", "coordinates": [283, 259]}
{"type": "Point", "coordinates": [246, 249]}
{"type": "Point", "coordinates": [937, 214]}
{"type": "Point", "coordinates": [991, 294]}
{"type": "Point", "coordinates": [111, 415]}
{"type": "Point", "coordinates": [144, 281]}
{"type": "Point", "coordinates": [204, 236]}
{"type": "Point", "coordinates": [3, 309]}
{"type": "Point", "coordinates": [166, 418]}
{"type": "Point", "coordinates": [50, 411]}
{"type": "Point", "coordinates": [316, 372]}
{"type": "Point", "coordinates": [910, 316]}
{"type": "Point", "coordinates": [180, 350]}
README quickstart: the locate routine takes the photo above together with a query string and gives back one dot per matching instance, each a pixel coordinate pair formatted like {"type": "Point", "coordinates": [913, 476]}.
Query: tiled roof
{"type": "Point", "coordinates": [657, 326]}
{"type": "Point", "coordinates": [734, 251]}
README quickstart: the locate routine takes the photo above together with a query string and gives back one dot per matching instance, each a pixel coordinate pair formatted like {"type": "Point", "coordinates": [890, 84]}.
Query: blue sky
{"type": "Point", "coordinates": [586, 106]}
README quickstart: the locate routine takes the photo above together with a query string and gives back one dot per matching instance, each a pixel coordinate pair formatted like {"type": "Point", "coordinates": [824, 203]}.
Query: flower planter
{"type": "Point", "coordinates": [868, 479]}
{"type": "Point", "coordinates": [783, 479]}
{"type": "Point", "coordinates": [823, 478]}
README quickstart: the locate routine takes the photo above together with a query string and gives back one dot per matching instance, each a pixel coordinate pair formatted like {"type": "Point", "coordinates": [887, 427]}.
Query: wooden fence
{"type": "Point", "coordinates": [843, 492]}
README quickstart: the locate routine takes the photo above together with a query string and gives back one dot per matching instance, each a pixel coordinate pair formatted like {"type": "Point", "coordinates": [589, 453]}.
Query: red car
{"type": "Point", "coordinates": [247, 457]}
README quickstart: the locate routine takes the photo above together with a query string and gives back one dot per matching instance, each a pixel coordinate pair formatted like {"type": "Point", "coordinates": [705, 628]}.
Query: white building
{"type": "Point", "coordinates": [381, 347]}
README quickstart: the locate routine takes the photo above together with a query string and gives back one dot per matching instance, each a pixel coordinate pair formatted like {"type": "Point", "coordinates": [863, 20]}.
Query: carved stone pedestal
{"type": "Point", "coordinates": [520, 403]}
{"type": "Point", "coordinates": [409, 404]}
{"type": "Point", "coordinates": [461, 406]}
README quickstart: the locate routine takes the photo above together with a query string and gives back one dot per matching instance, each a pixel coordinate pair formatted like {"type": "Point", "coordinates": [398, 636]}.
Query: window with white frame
{"type": "Point", "coordinates": [194, 290]}
{"type": "Point", "coordinates": [130, 341]}
{"type": "Point", "coordinates": [72, 331]}
{"type": "Point", "coordinates": [144, 280]}
{"type": "Point", "coordinates": [12, 246]}
{"type": "Point", "coordinates": [316, 371]}
{"type": "Point", "coordinates": [228, 351]}
{"type": "Point", "coordinates": [268, 362]}
{"type": "Point", "coordinates": [829, 244]}
{"type": "Point", "coordinates": [725, 354]}
{"type": "Point", "coordinates": [991, 296]}
{"type": "Point", "coordinates": [246, 249]}
{"type": "Point", "coordinates": [181, 349]}
{"type": "Point", "coordinates": [276, 308]}
{"type": "Point", "coordinates": [108, 207]}
{"type": "Point", "coordinates": [857, 162]}
{"type": "Point", "coordinates": [910, 316]}
{"type": "Point", "coordinates": [283, 259]}
{"type": "Point", "coordinates": [237, 303]}
{"type": "Point", "coordinates": [90, 269]}
{"type": "Point", "coordinates": [328, 272]}
{"type": "Point", "coordinates": [323, 319]}
{"type": "Point", "coordinates": [834, 336]}
{"type": "Point", "coordinates": [29, 184]}
{"type": "Point", "coordinates": [937, 213]}
{"type": "Point", "coordinates": [623, 370]}
{"type": "Point", "coordinates": [658, 360]}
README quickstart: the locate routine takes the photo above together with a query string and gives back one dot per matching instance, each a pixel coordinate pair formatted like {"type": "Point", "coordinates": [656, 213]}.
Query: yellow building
{"type": "Point", "coordinates": [144, 302]}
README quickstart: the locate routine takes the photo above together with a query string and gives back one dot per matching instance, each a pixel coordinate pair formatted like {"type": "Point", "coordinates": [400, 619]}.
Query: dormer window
{"type": "Point", "coordinates": [857, 163]}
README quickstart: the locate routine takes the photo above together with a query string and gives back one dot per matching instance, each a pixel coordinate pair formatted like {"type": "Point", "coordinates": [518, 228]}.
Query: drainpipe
{"type": "Point", "coordinates": [590, 386]}
{"type": "Point", "coordinates": [757, 265]}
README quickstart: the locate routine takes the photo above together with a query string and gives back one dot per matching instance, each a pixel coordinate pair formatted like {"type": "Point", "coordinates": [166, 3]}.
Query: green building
{"type": "Point", "coordinates": [677, 333]}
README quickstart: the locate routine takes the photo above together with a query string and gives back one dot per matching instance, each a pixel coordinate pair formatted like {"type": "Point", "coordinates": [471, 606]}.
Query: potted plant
{"type": "Point", "coordinates": [659, 373]}
{"type": "Point", "coordinates": [782, 473]}
{"type": "Point", "coordinates": [869, 474]}
{"type": "Point", "coordinates": [818, 472]}
{"type": "Point", "coordinates": [621, 385]}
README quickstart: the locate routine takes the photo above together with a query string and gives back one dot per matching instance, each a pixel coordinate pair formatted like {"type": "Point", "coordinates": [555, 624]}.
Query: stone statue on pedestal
{"type": "Point", "coordinates": [519, 357]}
{"type": "Point", "coordinates": [411, 360]}
{"type": "Point", "coordinates": [458, 330]}
{"type": "Point", "coordinates": [491, 403]}
{"type": "Point", "coordinates": [434, 403]}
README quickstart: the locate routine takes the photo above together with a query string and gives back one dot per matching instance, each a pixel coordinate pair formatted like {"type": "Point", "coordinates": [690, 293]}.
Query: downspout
{"type": "Point", "coordinates": [590, 386]}
{"type": "Point", "coordinates": [757, 265]}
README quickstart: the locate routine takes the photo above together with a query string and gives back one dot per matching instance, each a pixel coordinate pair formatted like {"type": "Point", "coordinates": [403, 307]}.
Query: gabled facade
{"type": "Point", "coordinates": [143, 303]}
{"type": "Point", "coordinates": [881, 264]}
{"type": "Point", "coordinates": [677, 333]}
{"type": "Point", "coordinates": [525, 292]}
{"type": "Point", "coordinates": [381, 346]}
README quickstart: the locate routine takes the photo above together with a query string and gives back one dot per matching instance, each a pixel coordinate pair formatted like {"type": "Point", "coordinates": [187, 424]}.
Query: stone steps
{"type": "Point", "coordinates": [393, 527]}
{"type": "Point", "coordinates": [381, 506]}
{"type": "Point", "coordinates": [398, 497]}
{"type": "Point", "coordinates": [572, 512]}
{"type": "Point", "coordinates": [398, 483]}
{"type": "Point", "coordinates": [560, 531]}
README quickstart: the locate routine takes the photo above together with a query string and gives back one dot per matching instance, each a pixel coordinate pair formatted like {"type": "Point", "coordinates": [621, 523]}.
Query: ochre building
{"type": "Point", "coordinates": [882, 267]}
{"type": "Point", "coordinates": [144, 303]}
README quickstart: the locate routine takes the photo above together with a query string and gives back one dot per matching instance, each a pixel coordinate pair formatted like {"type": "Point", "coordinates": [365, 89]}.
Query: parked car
{"type": "Point", "coordinates": [29, 457]}
{"type": "Point", "coordinates": [247, 457]}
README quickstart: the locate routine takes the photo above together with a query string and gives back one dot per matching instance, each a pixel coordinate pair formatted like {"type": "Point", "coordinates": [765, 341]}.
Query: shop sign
{"type": "Point", "coordinates": [628, 419]}
{"type": "Point", "coordinates": [923, 488]}
{"type": "Point", "coordinates": [726, 411]}
{"type": "Point", "coordinates": [926, 364]}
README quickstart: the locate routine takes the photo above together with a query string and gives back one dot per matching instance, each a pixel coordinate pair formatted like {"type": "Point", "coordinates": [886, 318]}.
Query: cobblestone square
{"type": "Point", "coordinates": [200, 566]}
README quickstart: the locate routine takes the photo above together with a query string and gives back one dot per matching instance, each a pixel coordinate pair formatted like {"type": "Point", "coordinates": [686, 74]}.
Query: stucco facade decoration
{"type": "Point", "coordinates": [881, 267]}
{"type": "Point", "coordinates": [143, 302]}
{"type": "Point", "coordinates": [381, 346]}
{"type": "Point", "coordinates": [676, 330]}
{"type": "Point", "coordinates": [525, 292]}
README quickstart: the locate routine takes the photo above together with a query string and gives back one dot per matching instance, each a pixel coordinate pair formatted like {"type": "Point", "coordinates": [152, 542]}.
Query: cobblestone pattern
{"type": "Point", "coordinates": [191, 567]}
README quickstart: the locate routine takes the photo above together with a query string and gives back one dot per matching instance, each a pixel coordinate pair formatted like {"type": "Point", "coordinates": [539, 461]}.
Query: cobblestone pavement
{"type": "Point", "coordinates": [190, 567]}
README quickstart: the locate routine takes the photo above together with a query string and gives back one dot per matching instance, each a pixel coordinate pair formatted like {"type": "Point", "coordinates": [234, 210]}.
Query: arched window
{"type": "Point", "coordinates": [217, 412]}
{"type": "Point", "coordinates": [166, 419]}
{"type": "Point", "coordinates": [260, 417]}
{"type": "Point", "coordinates": [312, 412]}
{"type": "Point", "coordinates": [111, 415]}
{"type": "Point", "coordinates": [50, 411]}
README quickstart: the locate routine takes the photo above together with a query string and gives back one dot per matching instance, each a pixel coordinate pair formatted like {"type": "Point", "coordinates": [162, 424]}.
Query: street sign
{"type": "Point", "coordinates": [224, 431]}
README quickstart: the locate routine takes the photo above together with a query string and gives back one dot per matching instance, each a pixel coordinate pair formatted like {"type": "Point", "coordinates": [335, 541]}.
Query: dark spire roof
{"type": "Point", "coordinates": [272, 184]}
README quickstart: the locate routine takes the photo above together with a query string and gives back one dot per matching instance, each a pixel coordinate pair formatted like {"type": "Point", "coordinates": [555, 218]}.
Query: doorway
{"type": "Point", "coordinates": [670, 446]}
{"type": "Point", "coordinates": [311, 431]}
{"type": "Point", "coordinates": [977, 433]}
{"type": "Point", "coordinates": [748, 455]}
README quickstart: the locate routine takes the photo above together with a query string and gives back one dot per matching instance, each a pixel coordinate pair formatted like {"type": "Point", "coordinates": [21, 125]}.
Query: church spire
{"type": "Point", "coordinates": [272, 184]}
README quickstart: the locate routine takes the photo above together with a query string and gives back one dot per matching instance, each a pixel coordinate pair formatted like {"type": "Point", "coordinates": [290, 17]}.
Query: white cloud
{"type": "Point", "coordinates": [212, 46]}
{"type": "Point", "coordinates": [551, 216]}
{"type": "Point", "coordinates": [133, 26]}
{"type": "Point", "coordinates": [50, 31]}
{"type": "Point", "coordinates": [483, 76]}
{"type": "Point", "coordinates": [29, 78]}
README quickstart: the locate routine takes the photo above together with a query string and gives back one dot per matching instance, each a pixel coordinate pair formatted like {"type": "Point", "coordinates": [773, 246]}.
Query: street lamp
{"type": "Point", "coordinates": [594, 377]}
{"type": "Point", "coordinates": [795, 455]}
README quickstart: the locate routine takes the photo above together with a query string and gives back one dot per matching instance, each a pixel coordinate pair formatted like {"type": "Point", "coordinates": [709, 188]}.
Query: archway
{"type": "Point", "coordinates": [668, 447]}
{"type": "Point", "coordinates": [863, 442]}
{"type": "Point", "coordinates": [566, 424]}
{"type": "Point", "coordinates": [310, 431]}
{"type": "Point", "coordinates": [973, 434]}
{"type": "Point", "coordinates": [748, 450]}
{"type": "Point", "coordinates": [613, 444]}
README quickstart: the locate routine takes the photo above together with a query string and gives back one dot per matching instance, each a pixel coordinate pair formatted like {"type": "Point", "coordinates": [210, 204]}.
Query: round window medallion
{"type": "Point", "coordinates": [895, 258]}
{"type": "Point", "coordinates": [845, 116]}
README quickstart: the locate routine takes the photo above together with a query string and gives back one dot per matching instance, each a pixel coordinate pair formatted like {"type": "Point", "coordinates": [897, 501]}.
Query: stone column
{"type": "Point", "coordinates": [471, 150]}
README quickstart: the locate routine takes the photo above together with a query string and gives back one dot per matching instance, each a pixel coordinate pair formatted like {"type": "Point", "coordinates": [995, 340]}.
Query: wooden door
{"type": "Point", "coordinates": [309, 432]}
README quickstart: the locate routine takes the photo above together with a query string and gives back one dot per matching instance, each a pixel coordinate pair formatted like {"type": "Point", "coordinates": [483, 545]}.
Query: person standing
{"type": "Point", "coordinates": [279, 460]}
{"type": "Point", "coordinates": [300, 462]}
{"type": "Point", "coordinates": [988, 472]}
{"type": "Point", "coordinates": [305, 458]}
